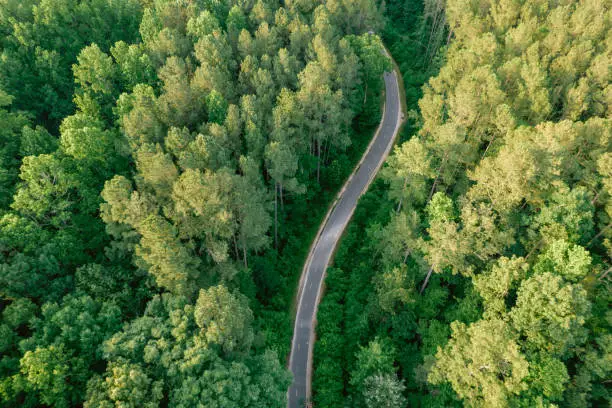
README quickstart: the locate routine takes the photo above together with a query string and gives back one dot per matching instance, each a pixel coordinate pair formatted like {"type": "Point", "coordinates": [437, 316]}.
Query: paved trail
{"type": "Point", "coordinates": [320, 254]}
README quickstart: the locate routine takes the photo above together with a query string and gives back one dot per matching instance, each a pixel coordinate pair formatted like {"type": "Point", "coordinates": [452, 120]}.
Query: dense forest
{"type": "Point", "coordinates": [163, 167]}
{"type": "Point", "coordinates": [476, 271]}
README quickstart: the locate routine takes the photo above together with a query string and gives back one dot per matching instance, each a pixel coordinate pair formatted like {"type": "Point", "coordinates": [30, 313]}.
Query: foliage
{"type": "Point", "coordinates": [163, 165]}
{"type": "Point", "coordinates": [482, 253]}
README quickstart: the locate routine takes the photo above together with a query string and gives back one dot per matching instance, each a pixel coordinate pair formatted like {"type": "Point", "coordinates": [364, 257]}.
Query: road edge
{"type": "Point", "coordinates": [303, 275]}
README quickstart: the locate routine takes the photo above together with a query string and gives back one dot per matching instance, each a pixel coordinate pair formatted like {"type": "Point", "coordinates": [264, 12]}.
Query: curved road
{"type": "Point", "coordinates": [320, 254]}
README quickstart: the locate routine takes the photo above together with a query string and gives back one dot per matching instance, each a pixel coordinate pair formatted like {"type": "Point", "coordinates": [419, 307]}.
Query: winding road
{"type": "Point", "coordinates": [309, 293]}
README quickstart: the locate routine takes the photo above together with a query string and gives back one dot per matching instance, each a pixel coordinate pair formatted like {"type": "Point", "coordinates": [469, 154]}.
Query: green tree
{"type": "Point", "coordinates": [12, 147]}
{"type": "Point", "coordinates": [43, 42]}
{"type": "Point", "coordinates": [138, 116]}
{"type": "Point", "coordinates": [551, 314]}
{"type": "Point", "coordinates": [36, 141]}
{"type": "Point", "coordinates": [165, 354]}
{"type": "Point", "coordinates": [65, 347]}
{"type": "Point", "coordinates": [85, 138]}
{"type": "Point", "coordinates": [483, 363]}
{"type": "Point", "coordinates": [375, 359]}
{"type": "Point", "coordinates": [216, 107]}
{"type": "Point", "coordinates": [225, 320]}
{"type": "Point", "coordinates": [409, 169]}
{"type": "Point", "coordinates": [384, 391]}
{"type": "Point", "coordinates": [171, 262]}
{"type": "Point", "coordinates": [250, 201]}
{"type": "Point", "coordinates": [97, 79]}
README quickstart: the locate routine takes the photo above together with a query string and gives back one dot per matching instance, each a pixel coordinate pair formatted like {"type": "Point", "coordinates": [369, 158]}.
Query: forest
{"type": "Point", "coordinates": [476, 271]}
{"type": "Point", "coordinates": [163, 167]}
{"type": "Point", "coordinates": [166, 164]}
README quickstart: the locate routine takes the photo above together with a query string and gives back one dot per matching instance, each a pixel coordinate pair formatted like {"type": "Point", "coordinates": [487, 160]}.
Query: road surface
{"type": "Point", "coordinates": [300, 361]}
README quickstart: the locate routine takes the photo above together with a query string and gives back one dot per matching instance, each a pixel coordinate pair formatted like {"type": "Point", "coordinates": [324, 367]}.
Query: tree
{"type": "Point", "coordinates": [157, 170]}
{"type": "Point", "coordinates": [375, 359]}
{"type": "Point", "coordinates": [43, 42]}
{"type": "Point", "coordinates": [373, 64]}
{"type": "Point", "coordinates": [64, 348]}
{"type": "Point", "coordinates": [97, 77]}
{"type": "Point", "coordinates": [568, 215]}
{"type": "Point", "coordinates": [171, 262]}
{"type": "Point", "coordinates": [356, 17]}
{"type": "Point", "coordinates": [165, 354]}
{"type": "Point", "coordinates": [216, 107]}
{"type": "Point", "coordinates": [384, 391]}
{"type": "Point", "coordinates": [483, 363]}
{"type": "Point", "coordinates": [484, 232]}
{"type": "Point", "coordinates": [236, 22]}
{"type": "Point", "coordinates": [321, 110]}
{"type": "Point", "coordinates": [216, 65]}
{"type": "Point", "coordinates": [494, 286]}
{"type": "Point", "coordinates": [400, 238]}
{"type": "Point", "coordinates": [203, 209]}
{"type": "Point", "coordinates": [116, 283]}
{"type": "Point", "coordinates": [394, 289]}
{"type": "Point", "coordinates": [46, 370]}
{"type": "Point", "coordinates": [180, 104]}
{"type": "Point", "coordinates": [446, 248]}
{"type": "Point", "coordinates": [570, 261]}
{"type": "Point", "coordinates": [224, 319]}
{"type": "Point", "coordinates": [551, 314]}
{"type": "Point", "coordinates": [204, 24]}
{"type": "Point", "coordinates": [125, 385]}
{"type": "Point", "coordinates": [282, 165]}
{"type": "Point", "coordinates": [250, 199]}
{"type": "Point", "coordinates": [48, 190]}
{"type": "Point", "coordinates": [12, 147]}
{"type": "Point", "coordinates": [36, 141]}
{"type": "Point", "coordinates": [547, 377]}
{"type": "Point", "coordinates": [138, 116]}
{"type": "Point", "coordinates": [521, 166]}
{"type": "Point", "coordinates": [133, 64]}
{"type": "Point", "coordinates": [409, 169]}
{"type": "Point", "coordinates": [84, 138]}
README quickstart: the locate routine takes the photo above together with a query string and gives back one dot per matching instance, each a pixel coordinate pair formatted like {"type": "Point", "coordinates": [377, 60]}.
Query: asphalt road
{"type": "Point", "coordinates": [309, 293]}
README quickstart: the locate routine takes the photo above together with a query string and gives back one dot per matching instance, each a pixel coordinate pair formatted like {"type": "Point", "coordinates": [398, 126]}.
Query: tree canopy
{"type": "Point", "coordinates": [482, 254]}
{"type": "Point", "coordinates": [156, 160]}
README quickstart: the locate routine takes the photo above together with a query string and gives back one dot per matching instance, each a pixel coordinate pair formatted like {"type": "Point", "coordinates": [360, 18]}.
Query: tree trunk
{"type": "Point", "coordinates": [276, 215]}
{"type": "Point", "coordinates": [487, 148]}
{"type": "Point", "coordinates": [318, 163]}
{"type": "Point", "coordinates": [433, 187]}
{"type": "Point", "coordinates": [598, 235]}
{"type": "Point", "coordinates": [244, 256]}
{"type": "Point", "coordinates": [282, 202]}
{"type": "Point", "coordinates": [595, 198]}
{"type": "Point", "coordinates": [426, 280]}
{"type": "Point", "coordinates": [399, 205]}
{"type": "Point", "coordinates": [537, 245]}
{"type": "Point", "coordinates": [406, 254]}
{"type": "Point", "coordinates": [236, 247]}
{"type": "Point", "coordinates": [603, 275]}
{"type": "Point", "coordinates": [326, 152]}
